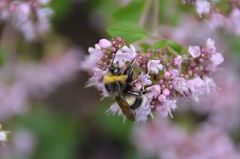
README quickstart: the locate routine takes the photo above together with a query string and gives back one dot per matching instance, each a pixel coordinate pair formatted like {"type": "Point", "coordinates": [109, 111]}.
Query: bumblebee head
{"type": "Point", "coordinates": [115, 70]}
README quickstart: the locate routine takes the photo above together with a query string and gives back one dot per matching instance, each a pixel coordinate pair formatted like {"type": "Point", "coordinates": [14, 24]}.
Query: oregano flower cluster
{"type": "Point", "coordinates": [163, 74]}
{"type": "Point", "coordinates": [31, 17]}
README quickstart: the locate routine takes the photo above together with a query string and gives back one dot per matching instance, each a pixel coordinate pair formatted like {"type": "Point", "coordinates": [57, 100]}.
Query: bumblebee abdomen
{"type": "Point", "coordinates": [138, 102]}
{"type": "Point", "coordinates": [134, 101]}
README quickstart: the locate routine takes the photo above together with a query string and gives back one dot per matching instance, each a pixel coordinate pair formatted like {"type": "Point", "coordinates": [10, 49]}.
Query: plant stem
{"type": "Point", "coordinates": [143, 17]}
{"type": "Point", "coordinates": [155, 19]}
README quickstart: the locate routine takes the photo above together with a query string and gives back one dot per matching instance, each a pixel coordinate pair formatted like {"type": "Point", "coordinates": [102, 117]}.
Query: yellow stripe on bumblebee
{"type": "Point", "coordinates": [114, 78]}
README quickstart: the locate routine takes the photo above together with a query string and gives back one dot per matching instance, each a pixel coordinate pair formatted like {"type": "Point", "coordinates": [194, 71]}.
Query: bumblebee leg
{"type": "Point", "coordinates": [119, 89]}
{"type": "Point", "coordinates": [135, 93]}
{"type": "Point", "coordinates": [144, 92]}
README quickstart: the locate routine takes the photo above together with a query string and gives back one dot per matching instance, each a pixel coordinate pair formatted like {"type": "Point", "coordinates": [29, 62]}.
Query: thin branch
{"type": "Point", "coordinates": [146, 8]}
{"type": "Point", "coordinates": [155, 19]}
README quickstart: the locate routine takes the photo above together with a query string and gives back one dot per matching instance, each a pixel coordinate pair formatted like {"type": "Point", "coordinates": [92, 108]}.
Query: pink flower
{"type": "Point", "coordinates": [211, 45]}
{"type": "Point", "coordinates": [163, 139]}
{"type": "Point", "coordinates": [197, 87]}
{"type": "Point", "coordinates": [180, 84]}
{"type": "Point", "coordinates": [166, 108]}
{"type": "Point", "coordinates": [217, 59]}
{"type": "Point", "coordinates": [178, 60]}
{"type": "Point", "coordinates": [162, 98]}
{"type": "Point", "coordinates": [120, 58]}
{"type": "Point", "coordinates": [24, 142]}
{"type": "Point", "coordinates": [226, 101]}
{"type": "Point", "coordinates": [114, 109]}
{"type": "Point", "coordinates": [203, 7]}
{"type": "Point", "coordinates": [13, 99]}
{"type": "Point", "coordinates": [96, 77]}
{"type": "Point", "coordinates": [154, 66]}
{"type": "Point", "coordinates": [131, 52]}
{"type": "Point", "coordinates": [210, 84]}
{"type": "Point", "coordinates": [31, 19]}
{"type": "Point", "coordinates": [43, 2]}
{"type": "Point", "coordinates": [104, 43]}
{"type": "Point", "coordinates": [194, 51]}
{"type": "Point", "coordinates": [143, 112]}
{"type": "Point", "coordinates": [125, 54]}
{"type": "Point", "coordinates": [166, 92]}
{"type": "Point", "coordinates": [101, 87]}
{"type": "Point", "coordinates": [167, 75]}
{"type": "Point", "coordinates": [217, 20]}
{"type": "Point", "coordinates": [96, 51]}
{"type": "Point", "coordinates": [233, 21]}
{"type": "Point", "coordinates": [144, 79]}
{"type": "Point", "coordinates": [174, 73]}
{"type": "Point", "coordinates": [153, 91]}
{"type": "Point", "coordinates": [23, 11]}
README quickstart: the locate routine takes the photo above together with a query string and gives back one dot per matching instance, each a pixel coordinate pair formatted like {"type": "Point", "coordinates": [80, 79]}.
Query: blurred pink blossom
{"type": "Point", "coordinates": [19, 14]}
{"type": "Point", "coordinates": [41, 79]}
{"type": "Point", "coordinates": [22, 145]}
{"type": "Point", "coordinates": [19, 82]}
{"type": "Point", "coordinates": [13, 100]}
{"type": "Point", "coordinates": [223, 104]}
{"type": "Point", "coordinates": [162, 139]}
{"type": "Point", "coordinates": [203, 7]}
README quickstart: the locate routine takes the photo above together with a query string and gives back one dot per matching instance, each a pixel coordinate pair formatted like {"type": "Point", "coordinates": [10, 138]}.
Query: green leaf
{"type": "Point", "coordinates": [224, 6]}
{"type": "Point", "coordinates": [131, 12]}
{"type": "Point", "coordinates": [127, 30]}
{"type": "Point", "coordinates": [233, 43]}
{"type": "Point", "coordinates": [174, 45]}
{"type": "Point", "coordinates": [168, 43]}
{"type": "Point", "coordinates": [61, 8]}
{"type": "Point", "coordinates": [105, 7]}
{"type": "Point", "coordinates": [57, 133]}
{"type": "Point", "coordinates": [112, 124]}
{"type": "Point", "coordinates": [160, 44]}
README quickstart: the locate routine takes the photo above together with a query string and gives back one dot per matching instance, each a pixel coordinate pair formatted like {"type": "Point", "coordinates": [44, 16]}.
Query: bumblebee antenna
{"type": "Point", "coordinates": [130, 64]}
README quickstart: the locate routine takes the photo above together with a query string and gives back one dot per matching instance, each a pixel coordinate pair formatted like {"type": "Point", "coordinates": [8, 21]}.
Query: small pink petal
{"type": "Point", "coordinates": [166, 92]}
{"type": "Point", "coordinates": [104, 43]}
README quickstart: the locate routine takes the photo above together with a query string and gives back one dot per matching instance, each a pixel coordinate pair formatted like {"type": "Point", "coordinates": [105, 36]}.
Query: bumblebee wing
{"type": "Point", "coordinates": [125, 107]}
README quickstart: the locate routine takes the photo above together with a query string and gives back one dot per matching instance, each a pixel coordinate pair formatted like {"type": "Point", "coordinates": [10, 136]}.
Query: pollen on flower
{"type": "Point", "coordinates": [160, 76]}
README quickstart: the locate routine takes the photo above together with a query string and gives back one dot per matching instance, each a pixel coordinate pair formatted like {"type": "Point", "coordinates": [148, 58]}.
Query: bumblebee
{"type": "Point", "coordinates": [118, 84]}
